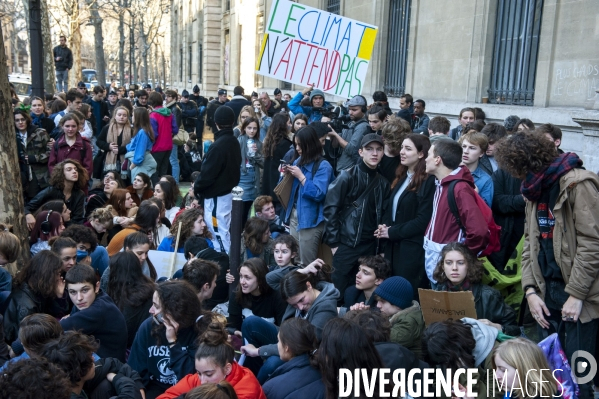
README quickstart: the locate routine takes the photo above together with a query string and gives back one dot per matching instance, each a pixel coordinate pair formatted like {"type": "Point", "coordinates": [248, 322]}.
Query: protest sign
{"type": "Point", "coordinates": [308, 46]}
{"type": "Point", "coordinates": [162, 261]}
{"type": "Point", "coordinates": [443, 305]}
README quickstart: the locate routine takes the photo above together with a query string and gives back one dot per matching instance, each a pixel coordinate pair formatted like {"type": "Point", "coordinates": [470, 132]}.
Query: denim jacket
{"type": "Point", "coordinates": [310, 201]}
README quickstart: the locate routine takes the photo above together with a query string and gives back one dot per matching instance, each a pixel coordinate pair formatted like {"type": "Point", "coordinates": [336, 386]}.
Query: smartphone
{"type": "Point", "coordinates": [158, 319]}
{"type": "Point", "coordinates": [285, 162]}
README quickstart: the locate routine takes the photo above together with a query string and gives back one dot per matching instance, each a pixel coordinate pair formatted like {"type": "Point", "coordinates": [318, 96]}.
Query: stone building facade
{"type": "Point", "coordinates": [537, 59]}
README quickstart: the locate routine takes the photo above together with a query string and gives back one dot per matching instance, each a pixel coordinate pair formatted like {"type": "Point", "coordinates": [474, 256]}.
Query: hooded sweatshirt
{"type": "Point", "coordinates": [322, 310]}
{"type": "Point", "coordinates": [484, 336]}
{"type": "Point", "coordinates": [443, 228]}
{"type": "Point", "coordinates": [165, 127]}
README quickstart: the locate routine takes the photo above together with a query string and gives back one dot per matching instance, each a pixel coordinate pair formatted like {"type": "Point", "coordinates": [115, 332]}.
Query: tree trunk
{"type": "Point", "coordinates": [11, 195]}
{"type": "Point", "coordinates": [49, 71]}
{"type": "Point", "coordinates": [122, 47]}
{"type": "Point", "coordinates": [75, 38]}
{"type": "Point", "coordinates": [98, 42]}
{"type": "Point", "coordinates": [144, 51]}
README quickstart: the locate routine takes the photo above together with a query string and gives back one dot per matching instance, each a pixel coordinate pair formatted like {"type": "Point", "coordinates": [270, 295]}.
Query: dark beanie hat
{"type": "Point", "coordinates": [224, 116]}
{"type": "Point", "coordinates": [397, 291]}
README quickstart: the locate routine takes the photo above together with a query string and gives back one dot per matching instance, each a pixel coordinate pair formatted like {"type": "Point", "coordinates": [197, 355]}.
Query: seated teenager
{"type": "Point", "coordinates": [140, 188]}
{"type": "Point", "coordinates": [459, 270]}
{"type": "Point", "coordinates": [296, 378]}
{"type": "Point", "coordinates": [395, 299]}
{"type": "Point", "coordinates": [123, 207]}
{"type": "Point", "coordinates": [201, 274]}
{"type": "Point", "coordinates": [222, 390]}
{"type": "Point", "coordinates": [378, 329]}
{"type": "Point", "coordinates": [10, 247]}
{"type": "Point", "coordinates": [265, 209]}
{"type": "Point", "coordinates": [35, 288]}
{"type": "Point", "coordinates": [163, 348]}
{"type": "Point", "coordinates": [254, 305]}
{"type": "Point", "coordinates": [100, 198]}
{"type": "Point", "coordinates": [309, 295]}
{"type": "Point", "coordinates": [48, 224]}
{"type": "Point", "coordinates": [34, 379]}
{"type": "Point", "coordinates": [167, 192]}
{"type": "Point", "coordinates": [256, 241]}
{"type": "Point", "coordinates": [35, 331]}
{"type": "Point", "coordinates": [94, 312]}
{"type": "Point", "coordinates": [57, 206]}
{"type": "Point", "coordinates": [214, 363]}
{"type": "Point", "coordinates": [163, 226]}
{"type": "Point", "coordinates": [512, 361]}
{"type": "Point", "coordinates": [192, 224]}
{"type": "Point", "coordinates": [373, 270]}
{"type": "Point", "coordinates": [100, 221]}
{"type": "Point", "coordinates": [286, 251]}
{"type": "Point", "coordinates": [130, 290]}
{"type": "Point", "coordinates": [87, 246]}
{"type": "Point", "coordinates": [145, 221]}
{"type": "Point", "coordinates": [73, 352]}
{"type": "Point", "coordinates": [139, 244]}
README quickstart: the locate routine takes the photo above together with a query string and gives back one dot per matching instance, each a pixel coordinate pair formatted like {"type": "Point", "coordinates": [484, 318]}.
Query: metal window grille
{"type": "Point", "coordinates": [286, 86]}
{"type": "Point", "coordinates": [200, 62]}
{"type": "Point", "coordinates": [227, 5]}
{"type": "Point", "coordinates": [397, 47]}
{"type": "Point", "coordinates": [515, 52]}
{"type": "Point", "coordinates": [334, 6]}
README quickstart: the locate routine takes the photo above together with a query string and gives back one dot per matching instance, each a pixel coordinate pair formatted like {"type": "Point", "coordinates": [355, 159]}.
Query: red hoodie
{"type": "Point", "coordinates": [243, 380]}
{"type": "Point", "coordinates": [443, 227]}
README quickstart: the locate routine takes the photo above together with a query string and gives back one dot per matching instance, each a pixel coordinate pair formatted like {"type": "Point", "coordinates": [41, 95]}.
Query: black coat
{"type": "Point", "coordinates": [271, 175]}
{"type": "Point", "coordinates": [23, 302]}
{"type": "Point", "coordinates": [509, 213]}
{"type": "Point", "coordinates": [220, 169]}
{"type": "Point", "coordinates": [74, 204]}
{"type": "Point", "coordinates": [406, 235]}
{"type": "Point", "coordinates": [66, 56]}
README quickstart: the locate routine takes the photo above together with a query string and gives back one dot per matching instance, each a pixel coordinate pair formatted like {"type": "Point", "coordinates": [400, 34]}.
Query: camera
{"type": "Point", "coordinates": [339, 118]}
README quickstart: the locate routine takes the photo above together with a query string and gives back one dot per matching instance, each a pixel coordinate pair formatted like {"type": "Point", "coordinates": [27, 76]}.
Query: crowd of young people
{"type": "Point", "coordinates": [391, 204]}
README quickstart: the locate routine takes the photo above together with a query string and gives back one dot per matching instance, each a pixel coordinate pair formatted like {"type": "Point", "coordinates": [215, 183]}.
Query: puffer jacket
{"type": "Point", "coordinates": [295, 379]}
{"type": "Point", "coordinates": [349, 185]}
{"type": "Point", "coordinates": [575, 241]}
{"type": "Point", "coordinates": [407, 327]}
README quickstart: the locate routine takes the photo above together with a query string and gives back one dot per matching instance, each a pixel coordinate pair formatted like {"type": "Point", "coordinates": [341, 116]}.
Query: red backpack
{"type": "Point", "coordinates": [494, 230]}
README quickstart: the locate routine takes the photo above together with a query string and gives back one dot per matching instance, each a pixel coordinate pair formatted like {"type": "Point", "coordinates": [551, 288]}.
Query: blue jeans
{"type": "Point", "coordinates": [174, 159]}
{"type": "Point", "coordinates": [259, 332]}
{"type": "Point", "coordinates": [62, 81]}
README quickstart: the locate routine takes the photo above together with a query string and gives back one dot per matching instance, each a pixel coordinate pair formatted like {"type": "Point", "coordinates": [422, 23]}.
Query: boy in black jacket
{"type": "Point", "coordinates": [94, 313]}
{"type": "Point", "coordinates": [220, 173]}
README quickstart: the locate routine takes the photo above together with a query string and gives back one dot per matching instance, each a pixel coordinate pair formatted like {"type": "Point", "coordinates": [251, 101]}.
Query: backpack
{"type": "Point", "coordinates": [494, 230]}
{"type": "Point", "coordinates": [558, 362]}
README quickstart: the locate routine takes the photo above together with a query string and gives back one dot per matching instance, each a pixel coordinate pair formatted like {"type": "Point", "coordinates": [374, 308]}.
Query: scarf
{"type": "Point", "coordinates": [463, 286]}
{"type": "Point", "coordinates": [37, 119]}
{"type": "Point", "coordinates": [112, 137]}
{"type": "Point", "coordinates": [536, 183]}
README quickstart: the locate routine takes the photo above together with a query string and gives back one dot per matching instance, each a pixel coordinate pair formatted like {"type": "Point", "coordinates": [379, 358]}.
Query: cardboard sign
{"type": "Point", "coordinates": [162, 260]}
{"type": "Point", "coordinates": [443, 305]}
{"type": "Point", "coordinates": [305, 46]}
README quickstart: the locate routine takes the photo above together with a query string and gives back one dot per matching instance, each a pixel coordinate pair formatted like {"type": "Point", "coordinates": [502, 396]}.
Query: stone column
{"type": "Point", "coordinates": [589, 121]}
{"type": "Point", "coordinates": [212, 47]}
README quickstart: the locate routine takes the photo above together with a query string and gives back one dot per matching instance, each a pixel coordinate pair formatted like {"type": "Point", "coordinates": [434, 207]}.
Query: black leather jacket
{"type": "Point", "coordinates": [344, 219]}
{"type": "Point", "coordinates": [22, 303]}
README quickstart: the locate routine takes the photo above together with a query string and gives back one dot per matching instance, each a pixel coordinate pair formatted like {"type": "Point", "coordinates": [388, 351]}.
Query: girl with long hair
{"type": "Point", "coordinates": [410, 210]}
{"type": "Point", "coordinates": [344, 345]}
{"type": "Point", "coordinates": [67, 181]}
{"type": "Point", "coordinates": [145, 221]}
{"type": "Point", "coordinates": [459, 270]}
{"type": "Point", "coordinates": [162, 351]}
{"type": "Point", "coordinates": [246, 112]}
{"type": "Point", "coordinates": [297, 377]}
{"type": "Point", "coordinates": [299, 121]}
{"type": "Point", "coordinates": [192, 224]}
{"type": "Point", "coordinates": [175, 188]}
{"type": "Point", "coordinates": [123, 207]}
{"type": "Point", "coordinates": [215, 364]}
{"type": "Point", "coordinates": [166, 192]}
{"type": "Point", "coordinates": [71, 145]}
{"type": "Point", "coordinates": [311, 178]}
{"type": "Point", "coordinates": [35, 153]}
{"type": "Point", "coordinates": [140, 188]}
{"type": "Point", "coordinates": [130, 290]}
{"type": "Point", "coordinates": [138, 150]}
{"type": "Point", "coordinates": [35, 287]}
{"type": "Point", "coordinates": [275, 146]}
{"type": "Point", "coordinates": [256, 241]}
{"type": "Point", "coordinates": [252, 162]}
{"type": "Point", "coordinates": [48, 224]}
{"type": "Point", "coordinates": [56, 206]}
{"type": "Point", "coordinates": [113, 140]}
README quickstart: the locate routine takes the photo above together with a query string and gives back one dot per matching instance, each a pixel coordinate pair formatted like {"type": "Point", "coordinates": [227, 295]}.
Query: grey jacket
{"type": "Point", "coordinates": [350, 156]}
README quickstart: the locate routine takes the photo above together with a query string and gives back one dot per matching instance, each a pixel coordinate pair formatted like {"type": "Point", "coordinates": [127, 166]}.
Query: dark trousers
{"type": "Point", "coordinates": [572, 336]}
{"type": "Point", "coordinates": [345, 264]}
{"type": "Point", "coordinates": [162, 159]}
{"type": "Point", "coordinates": [259, 332]}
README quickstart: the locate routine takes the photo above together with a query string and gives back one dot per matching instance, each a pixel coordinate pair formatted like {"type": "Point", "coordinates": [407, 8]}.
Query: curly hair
{"type": "Point", "coordinates": [102, 215]}
{"type": "Point", "coordinates": [81, 234]}
{"type": "Point", "coordinates": [34, 378]}
{"type": "Point", "coordinates": [394, 132]}
{"type": "Point", "coordinates": [187, 219]}
{"type": "Point", "coordinates": [525, 152]}
{"type": "Point", "coordinates": [57, 178]}
{"type": "Point", "coordinates": [475, 266]}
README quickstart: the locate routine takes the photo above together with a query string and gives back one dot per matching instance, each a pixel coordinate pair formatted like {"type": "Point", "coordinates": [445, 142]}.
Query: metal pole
{"type": "Point", "coordinates": [37, 49]}
{"type": "Point", "coordinates": [236, 230]}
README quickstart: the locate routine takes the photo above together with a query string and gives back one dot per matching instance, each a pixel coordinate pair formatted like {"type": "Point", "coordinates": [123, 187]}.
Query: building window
{"type": "Point", "coordinates": [334, 6]}
{"type": "Point", "coordinates": [227, 5]}
{"type": "Point", "coordinates": [181, 64]}
{"type": "Point", "coordinates": [189, 63]}
{"type": "Point", "coordinates": [515, 53]}
{"type": "Point", "coordinates": [286, 85]}
{"type": "Point", "coordinates": [200, 62]}
{"type": "Point", "coordinates": [397, 47]}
